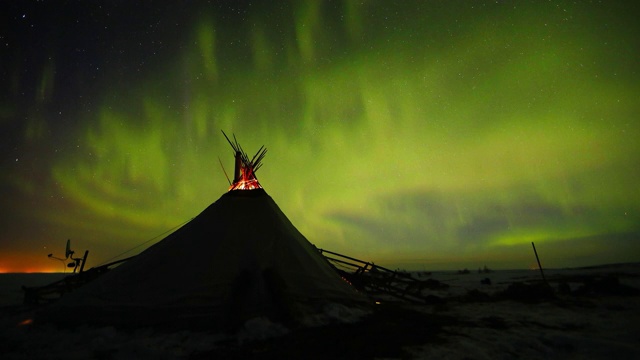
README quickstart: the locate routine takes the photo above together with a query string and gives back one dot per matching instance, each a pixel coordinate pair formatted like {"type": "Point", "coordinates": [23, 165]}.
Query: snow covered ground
{"type": "Point", "coordinates": [591, 313]}
{"type": "Point", "coordinates": [592, 321]}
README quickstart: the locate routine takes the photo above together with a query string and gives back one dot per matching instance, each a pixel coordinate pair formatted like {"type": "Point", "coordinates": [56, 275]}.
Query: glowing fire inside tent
{"type": "Point", "coordinates": [244, 177]}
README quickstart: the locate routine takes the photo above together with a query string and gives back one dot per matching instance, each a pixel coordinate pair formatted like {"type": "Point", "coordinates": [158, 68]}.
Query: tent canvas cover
{"type": "Point", "coordinates": [239, 259]}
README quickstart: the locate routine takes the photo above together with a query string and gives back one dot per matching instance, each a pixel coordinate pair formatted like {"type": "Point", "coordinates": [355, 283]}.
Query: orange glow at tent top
{"type": "Point", "coordinates": [247, 181]}
{"type": "Point", "coordinates": [244, 173]}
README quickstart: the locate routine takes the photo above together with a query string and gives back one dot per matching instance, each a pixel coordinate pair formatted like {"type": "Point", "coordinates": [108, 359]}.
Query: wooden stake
{"type": "Point", "coordinates": [538, 259]}
{"type": "Point", "coordinates": [84, 260]}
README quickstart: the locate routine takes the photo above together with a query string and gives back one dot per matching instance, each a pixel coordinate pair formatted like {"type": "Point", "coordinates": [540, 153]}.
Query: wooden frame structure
{"type": "Point", "coordinates": [376, 280]}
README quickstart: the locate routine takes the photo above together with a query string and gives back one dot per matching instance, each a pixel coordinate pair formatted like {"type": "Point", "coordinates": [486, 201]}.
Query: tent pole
{"type": "Point", "coordinates": [236, 172]}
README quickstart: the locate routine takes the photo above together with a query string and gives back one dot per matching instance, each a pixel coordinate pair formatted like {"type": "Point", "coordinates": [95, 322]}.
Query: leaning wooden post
{"type": "Point", "coordinates": [539, 266]}
{"type": "Point", "coordinates": [84, 260]}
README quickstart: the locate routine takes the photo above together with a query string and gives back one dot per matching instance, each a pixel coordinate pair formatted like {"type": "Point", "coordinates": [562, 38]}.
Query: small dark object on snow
{"type": "Point", "coordinates": [529, 293]}
{"type": "Point", "coordinates": [564, 288]}
{"type": "Point", "coordinates": [494, 322]}
{"type": "Point", "coordinates": [606, 285]}
{"type": "Point", "coordinates": [476, 295]}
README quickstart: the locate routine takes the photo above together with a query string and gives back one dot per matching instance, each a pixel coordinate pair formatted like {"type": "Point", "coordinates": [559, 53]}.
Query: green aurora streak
{"type": "Point", "coordinates": [422, 136]}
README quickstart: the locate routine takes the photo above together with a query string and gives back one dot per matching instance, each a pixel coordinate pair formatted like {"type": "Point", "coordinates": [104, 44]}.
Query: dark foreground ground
{"type": "Point", "coordinates": [583, 314]}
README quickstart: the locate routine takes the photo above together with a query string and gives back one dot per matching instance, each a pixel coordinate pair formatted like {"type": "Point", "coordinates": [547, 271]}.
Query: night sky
{"type": "Point", "coordinates": [416, 134]}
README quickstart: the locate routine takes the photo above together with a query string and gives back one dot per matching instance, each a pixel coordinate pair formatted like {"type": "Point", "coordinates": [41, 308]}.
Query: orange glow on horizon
{"type": "Point", "coordinates": [29, 270]}
{"type": "Point", "coordinates": [27, 264]}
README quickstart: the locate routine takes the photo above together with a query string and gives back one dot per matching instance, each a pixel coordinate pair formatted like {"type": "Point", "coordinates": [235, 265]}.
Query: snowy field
{"type": "Point", "coordinates": [589, 313]}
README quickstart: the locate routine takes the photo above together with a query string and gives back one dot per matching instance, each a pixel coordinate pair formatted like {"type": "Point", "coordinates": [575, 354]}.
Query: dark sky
{"type": "Point", "coordinates": [417, 134]}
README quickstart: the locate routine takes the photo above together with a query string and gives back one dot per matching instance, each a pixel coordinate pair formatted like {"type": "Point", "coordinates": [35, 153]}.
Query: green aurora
{"type": "Point", "coordinates": [418, 134]}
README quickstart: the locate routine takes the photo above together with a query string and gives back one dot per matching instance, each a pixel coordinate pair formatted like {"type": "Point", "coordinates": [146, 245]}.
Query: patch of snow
{"type": "Point", "coordinates": [335, 313]}
{"type": "Point", "coordinates": [260, 328]}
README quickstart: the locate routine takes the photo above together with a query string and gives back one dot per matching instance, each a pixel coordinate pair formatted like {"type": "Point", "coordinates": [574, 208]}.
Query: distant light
{"type": "Point", "coordinates": [25, 322]}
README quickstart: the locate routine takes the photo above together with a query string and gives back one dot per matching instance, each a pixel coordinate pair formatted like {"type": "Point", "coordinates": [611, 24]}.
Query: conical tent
{"type": "Point", "coordinates": [240, 258]}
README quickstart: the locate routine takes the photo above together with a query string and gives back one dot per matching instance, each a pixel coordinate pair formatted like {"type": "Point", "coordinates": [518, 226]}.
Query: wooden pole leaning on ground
{"type": "Point", "coordinates": [539, 266]}
{"type": "Point", "coordinates": [84, 260]}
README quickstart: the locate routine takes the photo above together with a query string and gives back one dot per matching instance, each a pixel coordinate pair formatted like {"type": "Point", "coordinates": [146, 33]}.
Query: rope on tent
{"type": "Point", "coordinates": [143, 243]}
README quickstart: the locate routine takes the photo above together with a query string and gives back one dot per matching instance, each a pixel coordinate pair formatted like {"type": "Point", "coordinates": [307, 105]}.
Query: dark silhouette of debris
{"type": "Point", "coordinates": [529, 293]}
